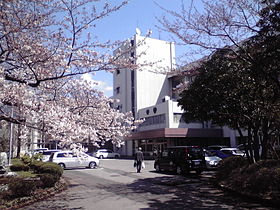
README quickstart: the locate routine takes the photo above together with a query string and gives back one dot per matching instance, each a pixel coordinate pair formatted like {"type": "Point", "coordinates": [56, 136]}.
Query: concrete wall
{"type": "Point", "coordinates": [155, 58]}
{"type": "Point", "coordinates": [168, 108]}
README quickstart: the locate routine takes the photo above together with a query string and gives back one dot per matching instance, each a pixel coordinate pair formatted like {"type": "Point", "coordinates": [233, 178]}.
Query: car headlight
{"type": "Point", "coordinates": [212, 162]}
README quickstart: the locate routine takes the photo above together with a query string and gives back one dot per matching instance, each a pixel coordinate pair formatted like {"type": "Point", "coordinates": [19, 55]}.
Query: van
{"type": "Point", "coordinates": [181, 159]}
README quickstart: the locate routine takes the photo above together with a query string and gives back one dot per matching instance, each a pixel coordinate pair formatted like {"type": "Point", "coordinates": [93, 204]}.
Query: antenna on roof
{"type": "Point", "coordinates": [138, 32]}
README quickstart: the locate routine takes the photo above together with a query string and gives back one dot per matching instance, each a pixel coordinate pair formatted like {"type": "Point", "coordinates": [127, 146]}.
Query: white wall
{"type": "Point", "coordinates": [156, 57]}
{"type": "Point", "coordinates": [169, 108]}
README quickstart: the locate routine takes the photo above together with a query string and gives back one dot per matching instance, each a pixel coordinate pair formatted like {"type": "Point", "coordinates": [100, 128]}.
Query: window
{"type": "Point", "coordinates": [177, 118]}
{"type": "Point", "coordinates": [157, 119]}
{"type": "Point", "coordinates": [165, 153]}
{"type": "Point", "coordinates": [62, 155]}
{"type": "Point", "coordinates": [117, 90]}
{"type": "Point", "coordinates": [119, 107]}
{"type": "Point", "coordinates": [118, 71]}
{"type": "Point", "coordinates": [155, 110]}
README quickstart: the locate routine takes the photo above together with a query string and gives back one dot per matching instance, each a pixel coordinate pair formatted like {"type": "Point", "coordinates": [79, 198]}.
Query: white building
{"type": "Point", "coordinates": [149, 95]}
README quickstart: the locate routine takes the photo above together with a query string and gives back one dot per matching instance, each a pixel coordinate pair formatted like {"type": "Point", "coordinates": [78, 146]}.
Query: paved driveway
{"type": "Point", "coordinates": [117, 186]}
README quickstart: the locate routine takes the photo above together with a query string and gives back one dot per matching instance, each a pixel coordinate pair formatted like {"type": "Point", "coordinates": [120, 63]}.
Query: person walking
{"type": "Point", "coordinates": [139, 157]}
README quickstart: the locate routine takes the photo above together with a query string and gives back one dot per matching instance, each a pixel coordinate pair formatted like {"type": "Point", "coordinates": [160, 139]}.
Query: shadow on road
{"type": "Point", "coordinates": [181, 192]}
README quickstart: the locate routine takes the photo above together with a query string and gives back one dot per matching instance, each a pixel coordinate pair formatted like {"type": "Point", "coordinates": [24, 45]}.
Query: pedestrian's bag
{"type": "Point", "coordinates": [143, 165]}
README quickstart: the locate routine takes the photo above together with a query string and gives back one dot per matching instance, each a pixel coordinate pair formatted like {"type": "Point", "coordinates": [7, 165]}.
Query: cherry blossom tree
{"type": "Point", "coordinates": [212, 25]}
{"type": "Point", "coordinates": [44, 47]}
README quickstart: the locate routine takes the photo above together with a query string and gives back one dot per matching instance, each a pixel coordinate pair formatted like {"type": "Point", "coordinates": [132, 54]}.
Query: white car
{"type": "Point", "coordinates": [232, 151]}
{"type": "Point", "coordinates": [36, 151]}
{"type": "Point", "coordinates": [106, 153]}
{"type": "Point", "coordinates": [67, 159]}
{"type": "Point", "coordinates": [47, 153]}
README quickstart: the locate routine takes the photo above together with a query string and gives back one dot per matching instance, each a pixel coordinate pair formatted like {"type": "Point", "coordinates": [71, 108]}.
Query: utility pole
{"type": "Point", "coordinates": [11, 138]}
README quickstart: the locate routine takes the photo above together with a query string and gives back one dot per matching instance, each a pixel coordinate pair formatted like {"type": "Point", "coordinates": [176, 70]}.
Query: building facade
{"type": "Point", "coordinates": [148, 93]}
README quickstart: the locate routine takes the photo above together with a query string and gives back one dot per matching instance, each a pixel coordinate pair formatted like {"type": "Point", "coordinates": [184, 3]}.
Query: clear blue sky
{"type": "Point", "coordinates": [122, 24]}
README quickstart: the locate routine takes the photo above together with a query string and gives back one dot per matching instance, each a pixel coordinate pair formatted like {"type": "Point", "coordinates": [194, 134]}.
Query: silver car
{"type": "Point", "coordinates": [47, 153]}
{"type": "Point", "coordinates": [106, 153]}
{"type": "Point", "coordinates": [233, 151]}
{"type": "Point", "coordinates": [68, 159]}
{"type": "Point", "coordinates": [211, 160]}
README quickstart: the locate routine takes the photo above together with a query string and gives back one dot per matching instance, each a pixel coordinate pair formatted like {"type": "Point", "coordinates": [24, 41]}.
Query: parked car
{"type": "Point", "coordinates": [67, 159]}
{"type": "Point", "coordinates": [211, 159]}
{"type": "Point", "coordinates": [106, 153]}
{"type": "Point", "coordinates": [216, 147]}
{"type": "Point", "coordinates": [241, 147]}
{"type": "Point", "coordinates": [181, 159]}
{"type": "Point", "coordinates": [36, 151]}
{"type": "Point", "coordinates": [220, 154]}
{"type": "Point", "coordinates": [47, 153]}
{"type": "Point", "coordinates": [232, 151]}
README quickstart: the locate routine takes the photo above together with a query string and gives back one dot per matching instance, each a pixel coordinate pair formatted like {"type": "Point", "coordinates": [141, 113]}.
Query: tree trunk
{"type": "Point", "coordinates": [245, 143]}
{"type": "Point", "coordinates": [264, 140]}
{"type": "Point", "coordinates": [249, 147]}
{"type": "Point", "coordinates": [256, 144]}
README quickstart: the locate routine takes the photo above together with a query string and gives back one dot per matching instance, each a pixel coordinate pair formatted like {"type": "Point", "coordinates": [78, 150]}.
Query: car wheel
{"type": "Point", "coordinates": [158, 169]}
{"type": "Point", "coordinates": [179, 170]}
{"type": "Point", "coordinates": [116, 156]}
{"type": "Point", "coordinates": [62, 165]}
{"type": "Point", "coordinates": [92, 165]}
{"type": "Point", "coordinates": [101, 157]}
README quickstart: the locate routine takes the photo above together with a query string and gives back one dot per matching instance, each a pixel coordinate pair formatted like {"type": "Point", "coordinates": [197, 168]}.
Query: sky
{"type": "Point", "coordinates": [121, 25]}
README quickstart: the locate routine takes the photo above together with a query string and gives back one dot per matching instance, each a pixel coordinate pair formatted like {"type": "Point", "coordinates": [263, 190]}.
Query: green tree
{"type": "Point", "coordinates": [238, 85]}
{"type": "Point", "coordinates": [240, 89]}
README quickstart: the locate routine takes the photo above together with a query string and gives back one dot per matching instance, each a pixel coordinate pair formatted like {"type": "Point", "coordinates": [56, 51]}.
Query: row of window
{"type": "Point", "coordinates": [154, 110]}
{"type": "Point", "coordinates": [158, 119]}
{"type": "Point", "coordinates": [132, 54]}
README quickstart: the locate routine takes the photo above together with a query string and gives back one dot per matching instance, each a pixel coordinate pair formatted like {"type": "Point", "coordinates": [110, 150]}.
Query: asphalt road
{"type": "Point", "coordinates": [115, 185]}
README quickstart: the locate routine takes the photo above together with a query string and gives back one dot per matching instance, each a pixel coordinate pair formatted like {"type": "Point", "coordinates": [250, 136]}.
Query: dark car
{"type": "Point", "coordinates": [181, 159]}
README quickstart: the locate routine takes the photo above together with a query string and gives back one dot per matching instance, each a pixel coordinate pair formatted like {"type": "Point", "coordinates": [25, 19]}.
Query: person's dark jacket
{"type": "Point", "coordinates": [139, 156]}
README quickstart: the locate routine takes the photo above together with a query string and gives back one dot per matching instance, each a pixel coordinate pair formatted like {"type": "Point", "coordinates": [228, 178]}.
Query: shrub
{"type": "Point", "coordinates": [19, 167]}
{"type": "Point", "coordinates": [260, 181]}
{"type": "Point", "coordinates": [30, 159]}
{"type": "Point", "coordinates": [36, 165]}
{"type": "Point", "coordinates": [26, 159]}
{"type": "Point", "coordinates": [22, 187]}
{"type": "Point", "coordinates": [49, 180]}
{"type": "Point", "coordinates": [51, 168]}
{"type": "Point", "coordinates": [261, 178]}
{"type": "Point", "coordinates": [227, 165]}
{"type": "Point", "coordinates": [269, 163]}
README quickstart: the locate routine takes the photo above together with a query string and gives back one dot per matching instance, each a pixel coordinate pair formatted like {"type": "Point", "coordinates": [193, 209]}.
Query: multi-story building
{"type": "Point", "coordinates": [148, 93]}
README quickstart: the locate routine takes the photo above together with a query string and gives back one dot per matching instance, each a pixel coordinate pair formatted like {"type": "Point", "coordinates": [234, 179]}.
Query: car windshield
{"type": "Point", "coordinates": [209, 153]}
{"type": "Point", "coordinates": [195, 152]}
